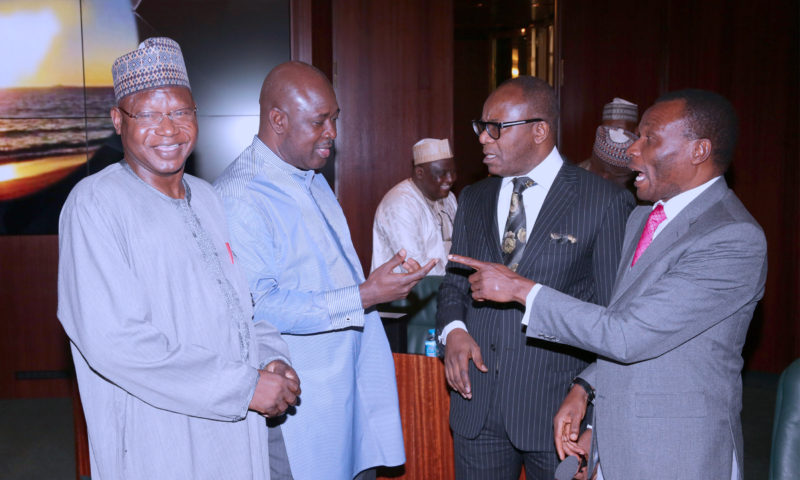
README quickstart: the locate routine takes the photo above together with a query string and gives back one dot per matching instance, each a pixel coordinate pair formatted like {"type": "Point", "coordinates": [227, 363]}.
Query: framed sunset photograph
{"type": "Point", "coordinates": [56, 88]}
{"type": "Point", "coordinates": [55, 95]}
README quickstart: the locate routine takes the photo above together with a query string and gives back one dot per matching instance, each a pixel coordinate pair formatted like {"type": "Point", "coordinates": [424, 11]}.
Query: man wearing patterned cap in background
{"type": "Point", "coordinates": [168, 360]}
{"type": "Point", "coordinates": [612, 138]}
{"type": "Point", "coordinates": [417, 214]}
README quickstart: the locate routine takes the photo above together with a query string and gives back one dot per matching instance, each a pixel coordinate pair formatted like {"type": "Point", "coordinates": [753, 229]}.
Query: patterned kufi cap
{"type": "Point", "coordinates": [431, 149]}
{"type": "Point", "coordinates": [610, 145]}
{"type": "Point", "coordinates": [158, 62]}
{"type": "Point", "coordinates": [620, 109]}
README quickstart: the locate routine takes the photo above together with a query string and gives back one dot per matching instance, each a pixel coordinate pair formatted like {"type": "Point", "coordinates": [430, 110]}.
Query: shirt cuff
{"type": "Point", "coordinates": [264, 363]}
{"type": "Point", "coordinates": [449, 328]}
{"type": "Point", "coordinates": [255, 376]}
{"type": "Point", "coordinates": [344, 307]}
{"type": "Point", "coordinates": [529, 303]}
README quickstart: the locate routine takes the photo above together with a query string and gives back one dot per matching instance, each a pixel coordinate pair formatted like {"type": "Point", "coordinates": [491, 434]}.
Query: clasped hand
{"type": "Point", "coordinates": [278, 387]}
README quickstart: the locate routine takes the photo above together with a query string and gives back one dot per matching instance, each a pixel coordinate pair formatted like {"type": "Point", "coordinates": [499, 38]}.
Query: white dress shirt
{"type": "Point", "coordinates": [533, 197]}
{"type": "Point", "coordinates": [672, 208]}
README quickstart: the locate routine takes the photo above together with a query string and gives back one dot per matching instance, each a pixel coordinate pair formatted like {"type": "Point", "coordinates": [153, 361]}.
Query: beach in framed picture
{"type": "Point", "coordinates": [55, 96]}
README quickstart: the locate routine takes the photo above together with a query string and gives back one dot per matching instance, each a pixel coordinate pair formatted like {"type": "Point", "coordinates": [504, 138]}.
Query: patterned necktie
{"type": "Point", "coordinates": [653, 221]}
{"type": "Point", "coordinates": [516, 233]}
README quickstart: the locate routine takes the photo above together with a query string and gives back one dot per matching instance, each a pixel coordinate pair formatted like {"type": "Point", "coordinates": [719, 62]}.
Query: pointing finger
{"type": "Point", "coordinates": [470, 262]}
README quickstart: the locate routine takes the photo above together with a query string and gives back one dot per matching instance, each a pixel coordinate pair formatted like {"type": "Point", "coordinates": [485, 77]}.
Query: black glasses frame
{"type": "Point", "coordinates": [478, 126]}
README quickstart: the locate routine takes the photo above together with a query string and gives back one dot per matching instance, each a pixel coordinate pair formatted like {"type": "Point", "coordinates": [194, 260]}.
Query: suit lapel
{"type": "Point", "coordinates": [488, 210]}
{"type": "Point", "coordinates": [632, 235]}
{"type": "Point", "coordinates": [558, 201]}
{"type": "Point", "coordinates": [676, 229]}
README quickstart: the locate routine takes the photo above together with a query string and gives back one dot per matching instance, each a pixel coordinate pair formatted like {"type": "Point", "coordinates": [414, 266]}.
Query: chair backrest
{"type": "Point", "coordinates": [422, 303]}
{"type": "Point", "coordinates": [784, 463]}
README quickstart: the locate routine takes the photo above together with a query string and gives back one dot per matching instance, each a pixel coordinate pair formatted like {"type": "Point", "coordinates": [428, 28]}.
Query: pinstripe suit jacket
{"type": "Point", "coordinates": [531, 377]}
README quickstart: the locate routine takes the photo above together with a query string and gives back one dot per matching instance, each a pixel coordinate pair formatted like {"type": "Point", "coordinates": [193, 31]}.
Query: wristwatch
{"type": "Point", "coordinates": [585, 386]}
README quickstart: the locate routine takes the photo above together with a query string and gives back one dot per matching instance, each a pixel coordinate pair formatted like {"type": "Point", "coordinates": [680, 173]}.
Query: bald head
{"type": "Point", "coordinates": [540, 97]}
{"type": "Point", "coordinates": [529, 110]}
{"type": "Point", "coordinates": [298, 115]}
{"type": "Point", "coordinates": [287, 80]}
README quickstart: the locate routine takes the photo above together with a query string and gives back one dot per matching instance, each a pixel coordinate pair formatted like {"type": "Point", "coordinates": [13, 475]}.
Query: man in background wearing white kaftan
{"type": "Point", "coordinates": [159, 317]}
{"type": "Point", "coordinates": [291, 236]}
{"type": "Point", "coordinates": [417, 214]}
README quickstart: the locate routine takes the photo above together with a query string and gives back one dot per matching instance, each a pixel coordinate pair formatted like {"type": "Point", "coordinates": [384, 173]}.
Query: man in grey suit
{"type": "Point", "coordinates": [504, 400]}
{"type": "Point", "coordinates": [668, 375]}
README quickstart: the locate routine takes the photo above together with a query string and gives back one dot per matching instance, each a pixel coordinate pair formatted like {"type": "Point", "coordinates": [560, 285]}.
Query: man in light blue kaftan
{"type": "Point", "coordinates": [291, 237]}
{"type": "Point", "coordinates": [159, 317]}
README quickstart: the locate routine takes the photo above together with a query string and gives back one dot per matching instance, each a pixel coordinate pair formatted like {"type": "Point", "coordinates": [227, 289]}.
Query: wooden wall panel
{"type": "Point", "coordinates": [472, 61]}
{"type": "Point", "coordinates": [32, 342]}
{"type": "Point", "coordinates": [300, 12]}
{"type": "Point", "coordinates": [393, 78]}
{"type": "Point", "coordinates": [759, 60]}
{"type": "Point", "coordinates": [424, 412]}
{"type": "Point", "coordinates": [747, 52]}
{"type": "Point", "coordinates": [605, 54]}
{"type": "Point", "coordinates": [311, 33]}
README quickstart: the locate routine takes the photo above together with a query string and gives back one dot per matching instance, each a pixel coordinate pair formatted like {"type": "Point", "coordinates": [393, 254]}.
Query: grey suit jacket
{"type": "Point", "coordinates": [531, 377]}
{"type": "Point", "coordinates": [668, 373]}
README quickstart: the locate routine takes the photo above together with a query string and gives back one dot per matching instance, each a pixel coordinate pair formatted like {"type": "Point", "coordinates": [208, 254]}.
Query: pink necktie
{"type": "Point", "coordinates": [653, 221]}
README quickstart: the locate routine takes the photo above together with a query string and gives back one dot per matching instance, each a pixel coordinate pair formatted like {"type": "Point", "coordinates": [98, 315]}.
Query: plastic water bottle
{"type": "Point", "coordinates": [431, 350]}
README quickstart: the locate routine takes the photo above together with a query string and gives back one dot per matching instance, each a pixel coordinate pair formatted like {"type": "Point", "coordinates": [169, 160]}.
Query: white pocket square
{"type": "Point", "coordinates": [563, 238]}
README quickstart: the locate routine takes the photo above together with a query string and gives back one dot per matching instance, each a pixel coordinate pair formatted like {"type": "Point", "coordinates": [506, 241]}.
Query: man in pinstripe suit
{"type": "Point", "coordinates": [666, 386]}
{"type": "Point", "coordinates": [505, 398]}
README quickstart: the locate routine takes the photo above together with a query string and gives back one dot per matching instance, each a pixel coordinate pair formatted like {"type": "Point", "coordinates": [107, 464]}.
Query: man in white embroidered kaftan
{"type": "Point", "coordinates": [417, 214]}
